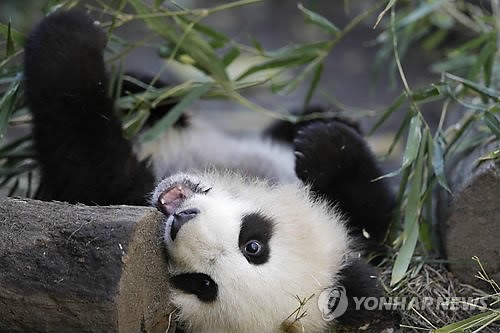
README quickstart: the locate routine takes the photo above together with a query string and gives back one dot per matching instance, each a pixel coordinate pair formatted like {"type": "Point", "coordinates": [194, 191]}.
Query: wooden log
{"type": "Point", "coordinates": [469, 217]}
{"type": "Point", "coordinates": [79, 268]}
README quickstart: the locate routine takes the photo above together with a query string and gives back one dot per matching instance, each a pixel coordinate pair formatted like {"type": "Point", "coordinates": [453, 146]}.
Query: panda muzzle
{"type": "Point", "coordinates": [172, 198]}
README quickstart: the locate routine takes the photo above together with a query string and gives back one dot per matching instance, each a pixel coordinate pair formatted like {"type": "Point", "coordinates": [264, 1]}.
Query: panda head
{"type": "Point", "coordinates": [243, 254]}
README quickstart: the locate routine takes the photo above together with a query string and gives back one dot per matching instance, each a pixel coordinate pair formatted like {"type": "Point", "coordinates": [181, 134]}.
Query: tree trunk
{"type": "Point", "coordinates": [79, 268]}
{"type": "Point", "coordinates": [469, 217]}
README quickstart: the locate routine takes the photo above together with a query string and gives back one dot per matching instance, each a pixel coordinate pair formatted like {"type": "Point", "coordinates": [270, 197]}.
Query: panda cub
{"type": "Point", "coordinates": [255, 229]}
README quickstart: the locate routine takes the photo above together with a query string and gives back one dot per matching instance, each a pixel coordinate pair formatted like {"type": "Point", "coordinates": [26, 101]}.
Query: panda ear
{"type": "Point", "coordinates": [361, 280]}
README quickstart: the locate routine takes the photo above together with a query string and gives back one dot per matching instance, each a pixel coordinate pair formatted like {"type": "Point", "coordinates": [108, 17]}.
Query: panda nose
{"type": "Point", "coordinates": [180, 219]}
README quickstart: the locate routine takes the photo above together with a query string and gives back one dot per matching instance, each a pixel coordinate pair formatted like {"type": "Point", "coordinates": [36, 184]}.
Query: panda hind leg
{"type": "Point", "coordinates": [78, 140]}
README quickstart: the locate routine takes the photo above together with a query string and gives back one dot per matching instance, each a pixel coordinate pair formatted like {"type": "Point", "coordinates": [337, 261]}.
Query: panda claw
{"type": "Point", "coordinates": [298, 154]}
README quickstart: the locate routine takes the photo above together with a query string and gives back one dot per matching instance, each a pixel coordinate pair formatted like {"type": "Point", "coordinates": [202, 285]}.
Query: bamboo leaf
{"type": "Point", "coordinates": [51, 6]}
{"type": "Point", "coordinates": [389, 111]}
{"type": "Point", "coordinates": [134, 124]}
{"type": "Point", "coordinates": [173, 115]}
{"type": "Point", "coordinates": [494, 155]}
{"type": "Point", "coordinates": [438, 161]}
{"type": "Point", "coordinates": [276, 63]}
{"type": "Point", "coordinates": [425, 9]}
{"type": "Point", "coordinates": [314, 83]}
{"type": "Point", "coordinates": [382, 14]}
{"type": "Point", "coordinates": [482, 90]}
{"type": "Point", "coordinates": [488, 49]}
{"type": "Point", "coordinates": [15, 36]}
{"type": "Point", "coordinates": [10, 49]}
{"type": "Point", "coordinates": [405, 254]}
{"type": "Point", "coordinates": [492, 122]}
{"type": "Point", "coordinates": [314, 48]}
{"type": "Point", "coordinates": [469, 323]}
{"type": "Point", "coordinates": [189, 42]}
{"type": "Point", "coordinates": [411, 216]}
{"type": "Point", "coordinates": [425, 93]}
{"type": "Point", "coordinates": [218, 39]}
{"type": "Point", "coordinates": [7, 104]}
{"type": "Point", "coordinates": [471, 44]}
{"type": "Point", "coordinates": [413, 141]}
{"type": "Point", "coordinates": [319, 20]}
{"type": "Point", "coordinates": [230, 56]}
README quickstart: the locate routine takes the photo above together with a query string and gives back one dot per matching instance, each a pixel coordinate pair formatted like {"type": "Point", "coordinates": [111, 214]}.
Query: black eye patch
{"type": "Point", "coordinates": [255, 233]}
{"type": "Point", "coordinates": [199, 284]}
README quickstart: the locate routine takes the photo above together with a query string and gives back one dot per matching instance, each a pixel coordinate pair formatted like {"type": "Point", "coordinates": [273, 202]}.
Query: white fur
{"type": "Point", "coordinates": [307, 250]}
{"type": "Point", "coordinates": [200, 146]}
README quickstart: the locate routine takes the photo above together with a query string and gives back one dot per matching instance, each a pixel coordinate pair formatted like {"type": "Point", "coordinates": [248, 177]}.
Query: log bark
{"type": "Point", "coordinates": [469, 216]}
{"type": "Point", "coordinates": [78, 268]}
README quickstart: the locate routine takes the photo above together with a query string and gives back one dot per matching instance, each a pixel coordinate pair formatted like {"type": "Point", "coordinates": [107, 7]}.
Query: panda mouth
{"type": "Point", "coordinates": [172, 198]}
{"type": "Point", "coordinates": [199, 284]}
{"type": "Point", "coordinates": [170, 194]}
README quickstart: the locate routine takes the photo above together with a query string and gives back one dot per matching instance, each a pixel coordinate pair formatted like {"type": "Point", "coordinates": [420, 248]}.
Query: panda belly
{"type": "Point", "coordinates": [201, 147]}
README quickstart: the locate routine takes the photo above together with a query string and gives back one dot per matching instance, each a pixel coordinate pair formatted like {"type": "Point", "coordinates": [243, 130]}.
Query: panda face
{"type": "Point", "coordinates": [242, 254]}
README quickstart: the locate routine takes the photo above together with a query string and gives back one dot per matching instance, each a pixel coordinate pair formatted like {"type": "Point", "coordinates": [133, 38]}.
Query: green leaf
{"type": "Point", "coordinates": [217, 38]}
{"type": "Point", "coordinates": [405, 254]}
{"type": "Point", "coordinates": [10, 42]}
{"type": "Point", "coordinates": [230, 56]}
{"type": "Point", "coordinates": [455, 64]}
{"type": "Point", "coordinates": [134, 124]}
{"type": "Point", "coordinates": [482, 90]}
{"type": "Point", "coordinates": [309, 49]}
{"type": "Point", "coordinates": [494, 155]}
{"type": "Point", "coordinates": [189, 41]}
{"type": "Point", "coordinates": [471, 44]}
{"type": "Point", "coordinates": [413, 141]}
{"type": "Point", "coordinates": [389, 111]}
{"type": "Point", "coordinates": [320, 21]}
{"type": "Point", "coordinates": [171, 117]}
{"type": "Point", "coordinates": [314, 83]}
{"type": "Point", "coordinates": [425, 9]}
{"type": "Point", "coordinates": [7, 104]}
{"type": "Point", "coordinates": [15, 36]}
{"type": "Point", "coordinates": [51, 6]}
{"type": "Point", "coordinates": [492, 122]}
{"type": "Point", "coordinates": [478, 320]}
{"type": "Point", "coordinates": [288, 57]}
{"type": "Point", "coordinates": [258, 46]}
{"type": "Point", "coordinates": [438, 160]}
{"type": "Point", "coordinates": [411, 216]}
{"type": "Point", "coordinates": [488, 49]}
{"type": "Point", "coordinates": [276, 63]}
{"type": "Point", "coordinates": [158, 3]}
{"type": "Point", "coordinates": [425, 93]}
{"type": "Point", "coordinates": [386, 9]}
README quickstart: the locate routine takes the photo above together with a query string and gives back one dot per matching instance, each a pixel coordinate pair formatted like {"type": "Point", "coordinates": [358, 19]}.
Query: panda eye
{"type": "Point", "coordinates": [253, 248]}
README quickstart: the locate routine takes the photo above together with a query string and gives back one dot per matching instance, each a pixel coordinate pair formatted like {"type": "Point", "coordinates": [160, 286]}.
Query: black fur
{"type": "Point", "coordinates": [85, 158]}
{"type": "Point", "coordinates": [199, 284]}
{"type": "Point", "coordinates": [336, 161]}
{"type": "Point", "coordinates": [82, 153]}
{"type": "Point", "coordinates": [256, 227]}
{"type": "Point", "coordinates": [286, 131]}
{"type": "Point", "coordinates": [360, 280]}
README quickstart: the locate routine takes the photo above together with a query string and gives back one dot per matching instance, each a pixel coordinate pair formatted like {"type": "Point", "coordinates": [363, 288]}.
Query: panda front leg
{"type": "Point", "coordinates": [335, 160]}
{"type": "Point", "coordinates": [78, 140]}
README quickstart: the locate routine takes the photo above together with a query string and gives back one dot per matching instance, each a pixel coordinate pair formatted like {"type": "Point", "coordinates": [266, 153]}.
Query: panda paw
{"type": "Point", "coordinates": [329, 152]}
